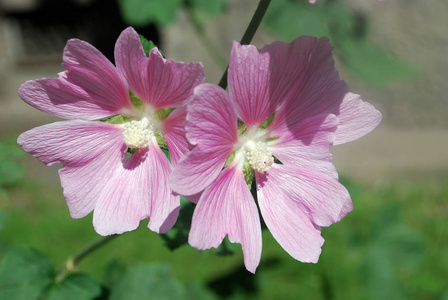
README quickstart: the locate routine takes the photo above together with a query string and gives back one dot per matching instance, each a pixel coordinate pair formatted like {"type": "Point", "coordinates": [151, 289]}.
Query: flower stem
{"type": "Point", "coordinates": [70, 264]}
{"type": "Point", "coordinates": [250, 32]}
{"type": "Point", "coordinates": [91, 248]}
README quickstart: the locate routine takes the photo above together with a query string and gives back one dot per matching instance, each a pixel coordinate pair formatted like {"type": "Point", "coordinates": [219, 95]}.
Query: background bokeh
{"type": "Point", "coordinates": [392, 246]}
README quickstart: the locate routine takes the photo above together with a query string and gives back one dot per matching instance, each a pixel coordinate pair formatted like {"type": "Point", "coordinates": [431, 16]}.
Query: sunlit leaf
{"type": "Point", "coordinates": [213, 7]}
{"type": "Point", "coordinates": [290, 19]}
{"type": "Point", "coordinates": [144, 12]}
{"type": "Point", "coordinates": [147, 45]}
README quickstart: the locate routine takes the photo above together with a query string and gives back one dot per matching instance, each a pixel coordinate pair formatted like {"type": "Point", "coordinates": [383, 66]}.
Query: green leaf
{"type": "Point", "coordinates": [290, 19]}
{"type": "Point", "coordinates": [159, 141]}
{"type": "Point", "coordinates": [379, 276]}
{"type": "Point", "coordinates": [11, 171]}
{"type": "Point", "coordinates": [403, 246]}
{"type": "Point", "coordinates": [113, 273]}
{"type": "Point", "coordinates": [372, 64]}
{"type": "Point", "coordinates": [197, 292]}
{"type": "Point", "coordinates": [144, 12]}
{"type": "Point", "coordinates": [147, 44]}
{"type": "Point", "coordinates": [212, 7]}
{"type": "Point", "coordinates": [364, 60]}
{"type": "Point", "coordinates": [227, 247]}
{"type": "Point", "coordinates": [148, 281]}
{"type": "Point", "coordinates": [10, 151]}
{"type": "Point", "coordinates": [75, 287]}
{"type": "Point", "coordinates": [25, 274]}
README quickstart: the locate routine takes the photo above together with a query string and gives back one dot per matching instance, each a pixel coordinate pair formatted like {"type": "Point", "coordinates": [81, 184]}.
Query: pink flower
{"type": "Point", "coordinates": [97, 174]}
{"type": "Point", "coordinates": [294, 108]}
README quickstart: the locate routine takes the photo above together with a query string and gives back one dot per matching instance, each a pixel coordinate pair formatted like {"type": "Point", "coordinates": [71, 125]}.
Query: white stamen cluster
{"type": "Point", "coordinates": [259, 157]}
{"type": "Point", "coordinates": [137, 134]}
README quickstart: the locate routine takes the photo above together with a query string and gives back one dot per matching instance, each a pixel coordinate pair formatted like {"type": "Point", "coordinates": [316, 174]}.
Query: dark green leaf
{"type": "Point", "coordinates": [75, 287]}
{"type": "Point", "coordinates": [197, 292]}
{"type": "Point", "coordinates": [227, 247]}
{"type": "Point", "coordinates": [25, 274]}
{"type": "Point", "coordinates": [113, 273]}
{"type": "Point", "coordinates": [148, 282]}
{"type": "Point", "coordinates": [144, 12]}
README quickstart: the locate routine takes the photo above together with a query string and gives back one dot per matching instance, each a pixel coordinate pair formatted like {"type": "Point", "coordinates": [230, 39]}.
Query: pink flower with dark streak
{"type": "Point", "coordinates": [97, 172]}
{"type": "Point", "coordinates": [285, 108]}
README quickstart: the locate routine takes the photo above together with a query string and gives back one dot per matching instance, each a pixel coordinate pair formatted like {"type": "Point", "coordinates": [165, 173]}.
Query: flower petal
{"type": "Point", "coordinates": [227, 208]}
{"type": "Point", "coordinates": [249, 78]}
{"type": "Point", "coordinates": [211, 118]}
{"type": "Point", "coordinates": [90, 151]}
{"type": "Point", "coordinates": [91, 88]}
{"type": "Point", "coordinates": [174, 133]}
{"type": "Point", "coordinates": [197, 169]}
{"type": "Point", "coordinates": [165, 205]}
{"type": "Point", "coordinates": [75, 95]}
{"type": "Point", "coordinates": [212, 126]}
{"type": "Point", "coordinates": [356, 119]}
{"type": "Point", "coordinates": [259, 80]}
{"type": "Point", "coordinates": [318, 195]}
{"type": "Point", "coordinates": [137, 190]}
{"type": "Point", "coordinates": [155, 80]}
{"type": "Point", "coordinates": [308, 143]}
{"type": "Point", "coordinates": [319, 89]}
{"type": "Point", "coordinates": [288, 222]}
{"type": "Point", "coordinates": [96, 75]}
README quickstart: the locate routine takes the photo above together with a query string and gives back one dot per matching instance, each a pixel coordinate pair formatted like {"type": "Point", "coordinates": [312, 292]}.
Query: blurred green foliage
{"type": "Point", "coordinates": [392, 246]}
{"type": "Point", "coordinates": [347, 30]}
{"type": "Point", "coordinates": [144, 12]}
{"type": "Point", "coordinates": [11, 170]}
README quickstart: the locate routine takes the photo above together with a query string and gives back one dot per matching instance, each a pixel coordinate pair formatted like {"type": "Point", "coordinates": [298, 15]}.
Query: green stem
{"type": "Point", "coordinates": [71, 263]}
{"type": "Point", "coordinates": [91, 248]}
{"type": "Point", "coordinates": [250, 32]}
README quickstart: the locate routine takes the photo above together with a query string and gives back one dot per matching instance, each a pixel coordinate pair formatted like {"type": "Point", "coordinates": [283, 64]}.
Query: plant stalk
{"type": "Point", "coordinates": [250, 32]}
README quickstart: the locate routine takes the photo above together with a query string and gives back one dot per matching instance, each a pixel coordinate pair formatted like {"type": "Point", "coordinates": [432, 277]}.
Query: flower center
{"type": "Point", "coordinates": [259, 157]}
{"type": "Point", "coordinates": [137, 134]}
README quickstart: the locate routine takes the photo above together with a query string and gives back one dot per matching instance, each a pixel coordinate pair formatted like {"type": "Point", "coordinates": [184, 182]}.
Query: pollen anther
{"type": "Point", "coordinates": [259, 158]}
{"type": "Point", "coordinates": [137, 134]}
